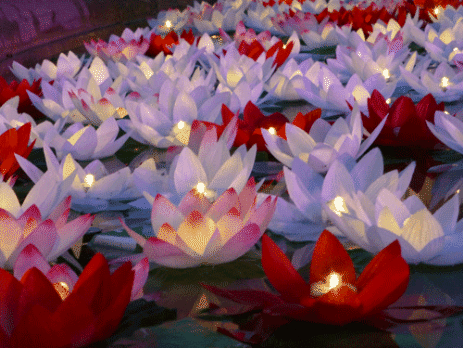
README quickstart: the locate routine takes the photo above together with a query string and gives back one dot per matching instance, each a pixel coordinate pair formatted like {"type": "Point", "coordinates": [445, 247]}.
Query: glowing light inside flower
{"type": "Point", "coordinates": [446, 112]}
{"type": "Point", "coordinates": [455, 49]}
{"type": "Point", "coordinates": [168, 24]}
{"type": "Point", "coordinates": [386, 74]}
{"type": "Point", "coordinates": [388, 101]}
{"type": "Point", "coordinates": [272, 130]}
{"type": "Point", "coordinates": [89, 180]}
{"type": "Point", "coordinates": [444, 83]}
{"type": "Point", "coordinates": [201, 187]}
{"type": "Point", "coordinates": [338, 206]}
{"type": "Point", "coordinates": [436, 11]}
{"type": "Point", "coordinates": [332, 282]}
{"type": "Point", "coordinates": [62, 289]}
{"type": "Point", "coordinates": [181, 125]}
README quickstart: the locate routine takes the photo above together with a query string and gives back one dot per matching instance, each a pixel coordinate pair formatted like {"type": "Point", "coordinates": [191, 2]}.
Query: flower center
{"type": "Point", "coordinates": [89, 180]}
{"type": "Point", "coordinates": [338, 206]}
{"type": "Point", "coordinates": [332, 282]}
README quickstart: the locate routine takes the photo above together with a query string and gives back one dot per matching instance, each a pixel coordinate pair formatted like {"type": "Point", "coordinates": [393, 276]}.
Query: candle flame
{"type": "Point", "coordinates": [436, 11]}
{"type": "Point", "coordinates": [201, 187]}
{"type": "Point", "coordinates": [272, 130]}
{"type": "Point", "coordinates": [333, 280]}
{"type": "Point", "coordinates": [444, 83]}
{"type": "Point", "coordinates": [338, 206]}
{"type": "Point", "coordinates": [168, 24]}
{"type": "Point", "coordinates": [181, 125]}
{"type": "Point", "coordinates": [89, 180]}
{"type": "Point", "coordinates": [388, 101]}
{"type": "Point", "coordinates": [386, 74]}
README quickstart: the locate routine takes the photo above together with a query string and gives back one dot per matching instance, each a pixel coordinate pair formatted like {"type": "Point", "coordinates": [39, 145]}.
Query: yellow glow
{"type": "Point", "coordinates": [455, 49]}
{"type": "Point", "coordinates": [284, 46]}
{"type": "Point", "coordinates": [89, 180]}
{"type": "Point", "coordinates": [62, 289]}
{"type": "Point", "coordinates": [386, 74]}
{"type": "Point", "coordinates": [201, 187]}
{"type": "Point", "coordinates": [338, 206]}
{"type": "Point", "coordinates": [458, 191]}
{"type": "Point", "coordinates": [168, 24]}
{"type": "Point", "coordinates": [446, 112]}
{"type": "Point", "coordinates": [436, 11]}
{"type": "Point", "coordinates": [444, 83]}
{"type": "Point", "coordinates": [333, 280]}
{"type": "Point", "coordinates": [388, 101]}
{"type": "Point", "coordinates": [272, 130]}
{"type": "Point", "coordinates": [181, 125]}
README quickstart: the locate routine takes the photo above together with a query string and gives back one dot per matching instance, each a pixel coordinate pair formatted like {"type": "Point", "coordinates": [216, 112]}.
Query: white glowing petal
{"type": "Point", "coordinates": [99, 71]}
{"type": "Point", "coordinates": [8, 199]}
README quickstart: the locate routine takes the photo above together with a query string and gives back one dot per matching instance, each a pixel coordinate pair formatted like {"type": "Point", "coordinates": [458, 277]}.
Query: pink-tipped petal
{"type": "Point", "coordinates": [141, 270]}
{"type": "Point", "coordinates": [168, 255]}
{"type": "Point", "coordinates": [30, 257]}
{"type": "Point", "coordinates": [61, 212]}
{"type": "Point", "coordinates": [62, 273]}
{"type": "Point", "coordinates": [164, 211]}
{"type": "Point", "coordinates": [192, 201]}
{"type": "Point", "coordinates": [223, 204]}
{"type": "Point", "coordinates": [248, 196]}
{"type": "Point", "coordinates": [139, 239]}
{"type": "Point", "coordinates": [239, 244]}
{"type": "Point", "coordinates": [32, 212]}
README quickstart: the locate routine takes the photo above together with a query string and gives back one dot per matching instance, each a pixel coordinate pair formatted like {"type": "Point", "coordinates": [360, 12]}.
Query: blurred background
{"type": "Point", "coordinates": [32, 30]}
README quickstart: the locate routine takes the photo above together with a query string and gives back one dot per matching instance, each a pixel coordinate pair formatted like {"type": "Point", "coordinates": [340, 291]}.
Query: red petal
{"type": "Point", "coordinates": [281, 273]}
{"type": "Point", "coordinates": [330, 256]}
{"type": "Point", "coordinates": [10, 289]}
{"type": "Point", "coordinates": [256, 298]}
{"type": "Point", "coordinates": [94, 283]}
{"type": "Point", "coordinates": [37, 289]}
{"type": "Point", "coordinates": [402, 109]}
{"type": "Point", "coordinates": [383, 280]}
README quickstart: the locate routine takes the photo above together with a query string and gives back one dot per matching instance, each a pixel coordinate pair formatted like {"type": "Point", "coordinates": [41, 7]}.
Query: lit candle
{"type": "Point", "coordinates": [388, 101]}
{"type": "Point", "coordinates": [333, 282]}
{"type": "Point", "coordinates": [338, 206]}
{"type": "Point", "coordinates": [88, 181]}
{"type": "Point", "coordinates": [272, 130]}
{"type": "Point", "coordinates": [386, 75]}
{"type": "Point", "coordinates": [181, 125]}
{"type": "Point", "coordinates": [444, 83]}
{"type": "Point", "coordinates": [202, 189]}
{"type": "Point", "coordinates": [436, 11]}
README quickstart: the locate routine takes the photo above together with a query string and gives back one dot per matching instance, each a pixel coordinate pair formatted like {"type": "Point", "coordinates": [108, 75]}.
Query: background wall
{"type": "Point", "coordinates": [32, 30]}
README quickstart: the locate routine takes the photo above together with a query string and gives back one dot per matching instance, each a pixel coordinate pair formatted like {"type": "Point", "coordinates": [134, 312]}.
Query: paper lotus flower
{"type": "Point", "coordinates": [67, 66]}
{"type": "Point", "coordinates": [197, 232]}
{"type": "Point", "coordinates": [444, 83]}
{"type": "Point", "coordinates": [94, 188]}
{"type": "Point", "coordinates": [52, 236]}
{"type": "Point", "coordinates": [406, 123]}
{"type": "Point", "coordinates": [123, 49]}
{"type": "Point", "coordinates": [14, 141]}
{"type": "Point", "coordinates": [242, 77]}
{"type": "Point", "coordinates": [44, 314]}
{"type": "Point", "coordinates": [374, 220]}
{"type": "Point", "coordinates": [323, 143]}
{"type": "Point", "coordinates": [304, 215]}
{"type": "Point", "coordinates": [249, 128]}
{"type": "Point", "coordinates": [333, 295]}
{"type": "Point", "coordinates": [210, 18]}
{"type": "Point", "coordinates": [8, 91]}
{"type": "Point", "coordinates": [166, 121]}
{"type": "Point", "coordinates": [31, 257]}
{"type": "Point", "coordinates": [447, 129]}
{"type": "Point", "coordinates": [86, 143]}
{"type": "Point", "coordinates": [206, 163]}
{"type": "Point", "coordinates": [324, 90]}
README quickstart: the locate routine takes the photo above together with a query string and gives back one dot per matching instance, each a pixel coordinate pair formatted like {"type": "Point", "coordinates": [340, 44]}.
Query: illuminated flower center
{"type": "Point", "coordinates": [436, 11]}
{"type": "Point", "coordinates": [444, 82]}
{"type": "Point", "coordinates": [89, 180]}
{"type": "Point", "coordinates": [386, 74]}
{"type": "Point", "coordinates": [272, 130]}
{"type": "Point", "coordinates": [333, 281]}
{"type": "Point", "coordinates": [201, 187]}
{"type": "Point", "coordinates": [181, 125]}
{"type": "Point", "coordinates": [338, 206]}
{"type": "Point", "coordinates": [388, 101]}
{"type": "Point", "coordinates": [62, 289]}
{"type": "Point", "coordinates": [168, 24]}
